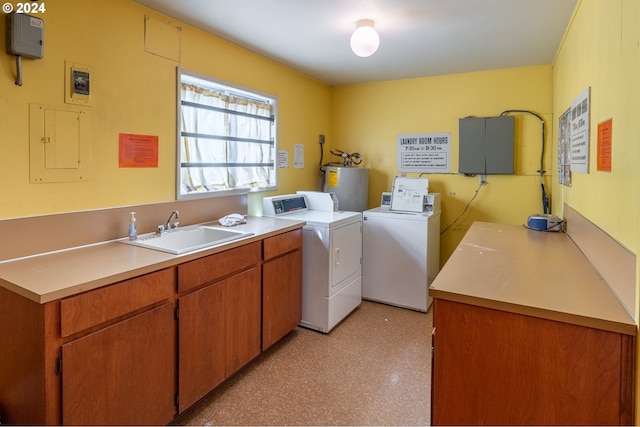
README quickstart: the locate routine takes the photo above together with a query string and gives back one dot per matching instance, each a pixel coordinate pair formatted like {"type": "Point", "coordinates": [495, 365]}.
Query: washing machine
{"type": "Point", "coordinates": [331, 256]}
{"type": "Point", "coordinates": [401, 255]}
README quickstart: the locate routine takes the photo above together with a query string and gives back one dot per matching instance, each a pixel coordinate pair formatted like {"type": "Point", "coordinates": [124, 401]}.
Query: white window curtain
{"type": "Point", "coordinates": [227, 141]}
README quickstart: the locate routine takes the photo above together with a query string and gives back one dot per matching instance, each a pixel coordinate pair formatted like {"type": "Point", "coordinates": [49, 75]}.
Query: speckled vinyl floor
{"type": "Point", "coordinates": [374, 368]}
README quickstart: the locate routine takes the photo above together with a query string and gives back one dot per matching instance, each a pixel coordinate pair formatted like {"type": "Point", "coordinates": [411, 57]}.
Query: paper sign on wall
{"type": "Point", "coordinates": [428, 152]}
{"type": "Point", "coordinates": [604, 145]}
{"type": "Point", "coordinates": [298, 156]}
{"type": "Point", "coordinates": [579, 122]}
{"type": "Point", "coordinates": [564, 149]}
{"type": "Point", "coordinates": [138, 151]}
{"type": "Point", "coordinates": [283, 159]}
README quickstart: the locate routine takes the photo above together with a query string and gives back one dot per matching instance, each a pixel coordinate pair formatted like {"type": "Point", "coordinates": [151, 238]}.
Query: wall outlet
{"type": "Point", "coordinates": [482, 179]}
{"type": "Point", "coordinates": [321, 139]}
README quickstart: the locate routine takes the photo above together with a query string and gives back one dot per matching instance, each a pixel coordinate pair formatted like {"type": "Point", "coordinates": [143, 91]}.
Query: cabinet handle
{"type": "Point", "coordinates": [337, 256]}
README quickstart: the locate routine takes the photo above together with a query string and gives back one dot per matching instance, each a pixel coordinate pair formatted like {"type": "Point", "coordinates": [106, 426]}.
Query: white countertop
{"type": "Point", "coordinates": [50, 276]}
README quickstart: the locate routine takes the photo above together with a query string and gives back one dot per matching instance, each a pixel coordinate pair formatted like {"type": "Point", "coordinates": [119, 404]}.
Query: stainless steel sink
{"type": "Point", "coordinates": [187, 239]}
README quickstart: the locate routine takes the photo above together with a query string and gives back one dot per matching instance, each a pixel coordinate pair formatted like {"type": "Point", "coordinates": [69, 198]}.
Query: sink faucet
{"type": "Point", "coordinates": [169, 225]}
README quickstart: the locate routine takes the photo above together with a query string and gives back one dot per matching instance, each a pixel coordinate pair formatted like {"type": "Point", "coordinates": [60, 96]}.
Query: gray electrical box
{"type": "Point", "coordinates": [25, 35]}
{"type": "Point", "coordinates": [486, 145]}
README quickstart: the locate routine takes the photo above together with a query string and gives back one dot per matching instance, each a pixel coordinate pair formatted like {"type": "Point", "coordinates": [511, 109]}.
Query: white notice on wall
{"type": "Point", "coordinates": [283, 159]}
{"type": "Point", "coordinates": [427, 152]}
{"type": "Point", "coordinates": [298, 156]}
{"type": "Point", "coordinates": [579, 123]}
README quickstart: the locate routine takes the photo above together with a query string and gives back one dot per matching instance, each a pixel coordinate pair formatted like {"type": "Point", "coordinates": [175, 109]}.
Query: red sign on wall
{"type": "Point", "coordinates": [604, 146]}
{"type": "Point", "coordinates": [138, 151]}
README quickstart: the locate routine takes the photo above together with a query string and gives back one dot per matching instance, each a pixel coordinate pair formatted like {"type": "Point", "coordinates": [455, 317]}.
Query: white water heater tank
{"type": "Point", "coordinates": [350, 185]}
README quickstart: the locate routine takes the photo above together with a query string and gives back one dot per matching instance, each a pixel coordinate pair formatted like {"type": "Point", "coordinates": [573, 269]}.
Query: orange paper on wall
{"type": "Point", "coordinates": [604, 145]}
{"type": "Point", "coordinates": [138, 151]}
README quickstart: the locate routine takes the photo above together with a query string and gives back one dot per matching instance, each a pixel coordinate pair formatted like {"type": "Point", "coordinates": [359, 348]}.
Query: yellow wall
{"type": "Point", "coordinates": [367, 118]}
{"type": "Point", "coordinates": [134, 91]}
{"type": "Point", "coordinates": [601, 50]}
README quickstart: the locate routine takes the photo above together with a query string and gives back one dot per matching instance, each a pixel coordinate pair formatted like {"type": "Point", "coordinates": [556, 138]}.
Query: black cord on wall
{"type": "Point", "coordinates": [545, 196]}
{"type": "Point", "coordinates": [463, 212]}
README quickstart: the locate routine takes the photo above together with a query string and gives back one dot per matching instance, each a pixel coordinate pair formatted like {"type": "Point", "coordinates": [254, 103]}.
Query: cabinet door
{"type": "Point", "coordinates": [497, 368]}
{"type": "Point", "coordinates": [281, 296]}
{"type": "Point", "coordinates": [219, 332]}
{"type": "Point", "coordinates": [200, 343]}
{"type": "Point", "coordinates": [486, 145]}
{"type": "Point", "coordinates": [242, 319]}
{"type": "Point", "coordinates": [123, 374]}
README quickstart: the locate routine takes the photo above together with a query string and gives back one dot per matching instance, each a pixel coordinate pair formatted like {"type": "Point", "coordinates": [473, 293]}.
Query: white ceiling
{"type": "Point", "coordinates": [418, 38]}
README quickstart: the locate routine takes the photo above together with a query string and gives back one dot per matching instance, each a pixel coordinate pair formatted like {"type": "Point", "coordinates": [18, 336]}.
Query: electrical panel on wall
{"type": "Point", "coordinates": [59, 144]}
{"type": "Point", "coordinates": [78, 84]}
{"type": "Point", "coordinates": [25, 35]}
{"type": "Point", "coordinates": [486, 145]}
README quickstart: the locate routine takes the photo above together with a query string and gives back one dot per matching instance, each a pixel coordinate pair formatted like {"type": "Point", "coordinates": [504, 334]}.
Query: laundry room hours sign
{"type": "Point", "coordinates": [426, 152]}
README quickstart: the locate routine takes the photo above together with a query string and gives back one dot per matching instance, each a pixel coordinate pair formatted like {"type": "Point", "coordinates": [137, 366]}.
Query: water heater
{"type": "Point", "coordinates": [350, 185]}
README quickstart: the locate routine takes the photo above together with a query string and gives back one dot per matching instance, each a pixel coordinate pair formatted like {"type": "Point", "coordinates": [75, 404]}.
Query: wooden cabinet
{"type": "Point", "coordinates": [282, 286]}
{"type": "Point", "coordinates": [29, 349]}
{"type": "Point", "coordinates": [122, 374]}
{"type": "Point", "coordinates": [494, 367]}
{"type": "Point", "coordinates": [219, 324]}
{"type": "Point", "coordinates": [93, 358]}
{"type": "Point", "coordinates": [526, 332]}
{"type": "Point", "coordinates": [119, 365]}
{"type": "Point", "coordinates": [143, 350]}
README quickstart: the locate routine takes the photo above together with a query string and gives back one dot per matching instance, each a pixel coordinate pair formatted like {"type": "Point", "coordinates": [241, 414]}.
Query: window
{"type": "Point", "coordinates": [226, 139]}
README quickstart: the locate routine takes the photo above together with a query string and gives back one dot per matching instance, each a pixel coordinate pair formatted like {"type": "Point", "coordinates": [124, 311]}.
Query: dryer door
{"type": "Point", "coordinates": [346, 254]}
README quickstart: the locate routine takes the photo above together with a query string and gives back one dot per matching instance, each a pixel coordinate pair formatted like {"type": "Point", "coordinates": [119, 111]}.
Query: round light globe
{"type": "Point", "coordinates": [365, 39]}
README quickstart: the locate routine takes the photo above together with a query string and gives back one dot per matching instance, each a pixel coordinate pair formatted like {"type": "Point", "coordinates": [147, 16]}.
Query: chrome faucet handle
{"type": "Point", "coordinates": [174, 215]}
{"type": "Point", "coordinates": [160, 229]}
{"type": "Point", "coordinates": [175, 224]}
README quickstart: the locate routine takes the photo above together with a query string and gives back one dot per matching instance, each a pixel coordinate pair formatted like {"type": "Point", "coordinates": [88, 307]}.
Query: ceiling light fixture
{"type": "Point", "coordinates": [365, 39]}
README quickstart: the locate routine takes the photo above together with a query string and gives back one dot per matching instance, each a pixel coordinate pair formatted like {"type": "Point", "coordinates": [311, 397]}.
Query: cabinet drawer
{"type": "Point", "coordinates": [209, 269]}
{"type": "Point", "coordinates": [282, 243]}
{"type": "Point", "coordinates": [92, 308]}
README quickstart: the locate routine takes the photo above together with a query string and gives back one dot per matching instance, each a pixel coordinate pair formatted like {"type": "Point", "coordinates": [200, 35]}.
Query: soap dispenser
{"type": "Point", "coordinates": [133, 228]}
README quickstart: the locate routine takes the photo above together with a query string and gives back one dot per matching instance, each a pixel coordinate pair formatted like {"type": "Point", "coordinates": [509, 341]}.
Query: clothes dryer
{"type": "Point", "coordinates": [331, 257]}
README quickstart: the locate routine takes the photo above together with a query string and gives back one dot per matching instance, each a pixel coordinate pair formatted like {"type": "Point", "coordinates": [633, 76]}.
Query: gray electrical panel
{"type": "Point", "coordinates": [25, 35]}
{"type": "Point", "coordinates": [486, 145]}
